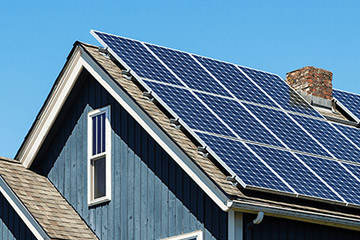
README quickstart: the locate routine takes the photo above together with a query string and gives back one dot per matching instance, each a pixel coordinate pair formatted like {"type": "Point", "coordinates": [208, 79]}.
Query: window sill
{"type": "Point", "coordinates": [99, 201]}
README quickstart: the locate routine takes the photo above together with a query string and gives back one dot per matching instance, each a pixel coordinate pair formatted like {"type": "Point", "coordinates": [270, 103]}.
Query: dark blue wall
{"type": "Point", "coordinates": [11, 225]}
{"type": "Point", "coordinates": [152, 197]}
{"type": "Point", "coordinates": [283, 229]}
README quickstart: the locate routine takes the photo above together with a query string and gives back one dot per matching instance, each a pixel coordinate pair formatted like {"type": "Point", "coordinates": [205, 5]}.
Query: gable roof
{"type": "Point", "coordinates": [210, 176]}
{"type": "Point", "coordinates": [47, 214]}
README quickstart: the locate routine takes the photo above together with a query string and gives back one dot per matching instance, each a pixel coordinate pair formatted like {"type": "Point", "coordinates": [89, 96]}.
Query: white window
{"type": "Point", "coordinates": [99, 156]}
{"type": "Point", "coordinates": [198, 235]}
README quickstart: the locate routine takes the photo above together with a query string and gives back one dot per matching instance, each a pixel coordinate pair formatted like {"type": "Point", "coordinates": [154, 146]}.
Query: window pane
{"type": "Point", "coordinates": [99, 178]}
{"type": "Point", "coordinates": [98, 137]}
{"type": "Point", "coordinates": [93, 135]}
{"type": "Point", "coordinates": [103, 132]}
{"type": "Point", "coordinates": [98, 134]}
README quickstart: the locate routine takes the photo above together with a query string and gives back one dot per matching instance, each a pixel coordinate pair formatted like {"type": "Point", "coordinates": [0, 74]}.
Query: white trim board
{"type": "Point", "coordinates": [22, 211]}
{"type": "Point", "coordinates": [80, 60]}
{"type": "Point", "coordinates": [197, 234]}
{"type": "Point", "coordinates": [50, 110]}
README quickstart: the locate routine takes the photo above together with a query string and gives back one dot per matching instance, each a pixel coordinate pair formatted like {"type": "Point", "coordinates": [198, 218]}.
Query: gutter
{"type": "Point", "coordinates": [295, 214]}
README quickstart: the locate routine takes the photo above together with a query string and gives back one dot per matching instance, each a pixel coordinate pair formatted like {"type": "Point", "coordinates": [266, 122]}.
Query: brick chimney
{"type": "Point", "coordinates": [314, 84]}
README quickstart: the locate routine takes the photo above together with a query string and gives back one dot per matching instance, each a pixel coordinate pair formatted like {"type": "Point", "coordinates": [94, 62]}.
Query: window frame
{"type": "Point", "coordinates": [198, 235]}
{"type": "Point", "coordinates": [90, 157]}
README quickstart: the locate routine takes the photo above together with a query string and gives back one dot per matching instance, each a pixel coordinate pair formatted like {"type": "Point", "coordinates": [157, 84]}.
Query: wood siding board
{"type": "Point", "coordinates": [11, 222]}
{"type": "Point", "coordinates": [137, 195]}
{"type": "Point", "coordinates": [165, 195]}
{"type": "Point", "coordinates": [104, 222]}
{"type": "Point", "coordinates": [5, 211]}
{"type": "Point", "coordinates": [73, 158]}
{"type": "Point", "coordinates": [1, 215]}
{"type": "Point", "coordinates": [151, 189]}
{"type": "Point", "coordinates": [143, 201]}
{"type": "Point", "coordinates": [186, 202]}
{"type": "Point", "coordinates": [157, 191]}
{"type": "Point", "coordinates": [123, 192]}
{"type": "Point", "coordinates": [131, 187]}
{"type": "Point", "coordinates": [117, 180]}
{"type": "Point", "coordinates": [79, 174]}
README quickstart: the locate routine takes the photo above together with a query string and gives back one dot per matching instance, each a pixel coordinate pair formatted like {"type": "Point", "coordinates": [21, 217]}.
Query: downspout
{"type": "Point", "coordinates": [252, 224]}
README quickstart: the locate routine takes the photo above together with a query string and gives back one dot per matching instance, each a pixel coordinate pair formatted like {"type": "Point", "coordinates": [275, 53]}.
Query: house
{"type": "Point", "coordinates": [106, 159]}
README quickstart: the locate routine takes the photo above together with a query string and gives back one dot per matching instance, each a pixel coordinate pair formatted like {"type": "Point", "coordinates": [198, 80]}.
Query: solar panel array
{"type": "Point", "coordinates": [251, 121]}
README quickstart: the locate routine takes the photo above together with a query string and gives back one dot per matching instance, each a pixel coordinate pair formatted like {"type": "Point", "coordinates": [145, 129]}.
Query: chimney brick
{"type": "Point", "coordinates": [311, 81]}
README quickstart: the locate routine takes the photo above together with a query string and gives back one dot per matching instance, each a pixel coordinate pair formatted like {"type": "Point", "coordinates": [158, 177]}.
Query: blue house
{"type": "Point", "coordinates": [116, 155]}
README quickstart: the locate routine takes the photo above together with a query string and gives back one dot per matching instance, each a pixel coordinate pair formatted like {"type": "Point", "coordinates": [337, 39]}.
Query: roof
{"type": "Point", "coordinates": [243, 199]}
{"type": "Point", "coordinates": [39, 196]}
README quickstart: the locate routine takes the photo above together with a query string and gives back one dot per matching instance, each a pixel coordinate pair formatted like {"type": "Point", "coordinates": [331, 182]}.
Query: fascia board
{"type": "Point", "coordinates": [22, 211]}
{"type": "Point", "coordinates": [50, 110]}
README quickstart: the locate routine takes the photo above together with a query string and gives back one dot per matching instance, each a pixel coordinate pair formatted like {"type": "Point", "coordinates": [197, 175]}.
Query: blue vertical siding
{"type": "Point", "coordinates": [11, 225]}
{"type": "Point", "coordinates": [152, 197]}
{"type": "Point", "coordinates": [282, 229]}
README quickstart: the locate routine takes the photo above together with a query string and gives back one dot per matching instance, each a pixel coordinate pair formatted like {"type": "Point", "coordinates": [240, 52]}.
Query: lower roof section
{"type": "Point", "coordinates": [45, 212]}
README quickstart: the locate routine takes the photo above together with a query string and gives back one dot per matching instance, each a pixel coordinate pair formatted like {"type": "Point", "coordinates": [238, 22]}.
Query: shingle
{"type": "Point", "coordinates": [44, 202]}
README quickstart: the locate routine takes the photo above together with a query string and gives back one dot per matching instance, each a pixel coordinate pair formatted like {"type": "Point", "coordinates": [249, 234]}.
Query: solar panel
{"type": "Point", "coordinates": [235, 81]}
{"type": "Point", "coordinates": [295, 173]}
{"type": "Point", "coordinates": [329, 137]}
{"type": "Point", "coordinates": [138, 58]}
{"type": "Point", "coordinates": [189, 109]}
{"type": "Point", "coordinates": [336, 176]}
{"type": "Point", "coordinates": [350, 100]}
{"type": "Point", "coordinates": [188, 70]}
{"type": "Point", "coordinates": [244, 163]}
{"type": "Point", "coordinates": [278, 90]}
{"type": "Point", "coordinates": [287, 130]}
{"type": "Point", "coordinates": [239, 119]}
{"type": "Point", "coordinates": [351, 132]}
{"type": "Point", "coordinates": [243, 116]}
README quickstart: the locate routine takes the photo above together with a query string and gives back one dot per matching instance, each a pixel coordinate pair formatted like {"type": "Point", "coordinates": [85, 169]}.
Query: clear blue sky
{"type": "Point", "coordinates": [275, 36]}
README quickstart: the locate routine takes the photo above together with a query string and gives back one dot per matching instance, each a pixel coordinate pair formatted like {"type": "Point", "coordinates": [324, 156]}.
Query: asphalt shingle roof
{"type": "Point", "coordinates": [54, 214]}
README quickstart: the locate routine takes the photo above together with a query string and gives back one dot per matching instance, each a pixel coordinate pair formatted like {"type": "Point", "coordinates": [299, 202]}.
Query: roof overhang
{"type": "Point", "coordinates": [296, 214]}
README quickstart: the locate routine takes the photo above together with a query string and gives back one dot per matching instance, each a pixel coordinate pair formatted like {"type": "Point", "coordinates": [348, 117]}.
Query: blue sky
{"type": "Point", "coordinates": [275, 36]}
